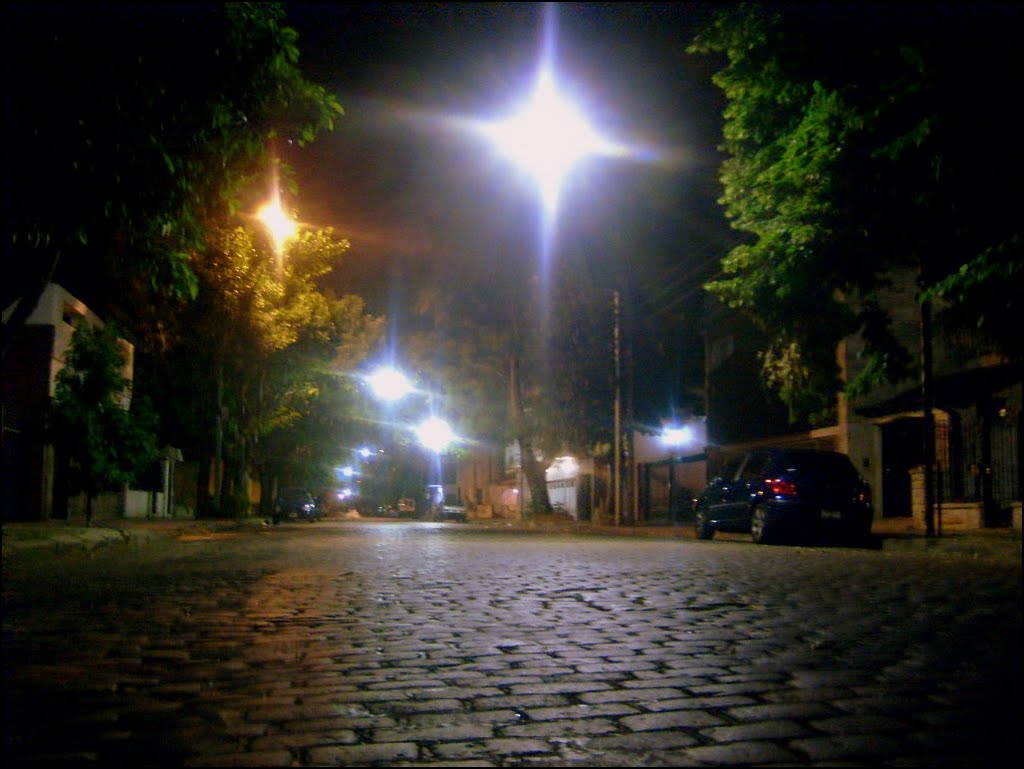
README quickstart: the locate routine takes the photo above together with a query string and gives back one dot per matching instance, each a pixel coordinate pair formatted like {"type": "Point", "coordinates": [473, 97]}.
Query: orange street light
{"type": "Point", "coordinates": [281, 226]}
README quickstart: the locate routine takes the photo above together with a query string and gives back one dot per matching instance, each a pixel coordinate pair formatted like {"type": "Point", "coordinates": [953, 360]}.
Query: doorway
{"type": "Point", "coordinates": [902, 449]}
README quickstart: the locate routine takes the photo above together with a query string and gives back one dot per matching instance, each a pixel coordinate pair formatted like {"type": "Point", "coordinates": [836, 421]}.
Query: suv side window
{"type": "Point", "coordinates": [731, 470]}
{"type": "Point", "coordinates": [753, 468]}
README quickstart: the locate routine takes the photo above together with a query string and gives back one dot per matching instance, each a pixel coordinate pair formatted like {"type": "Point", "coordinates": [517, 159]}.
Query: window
{"type": "Point", "coordinates": [753, 468]}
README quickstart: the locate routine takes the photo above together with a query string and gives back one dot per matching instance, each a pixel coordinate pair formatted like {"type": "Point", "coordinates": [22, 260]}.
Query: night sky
{"type": "Point", "coordinates": [417, 197]}
{"type": "Point", "coordinates": [424, 202]}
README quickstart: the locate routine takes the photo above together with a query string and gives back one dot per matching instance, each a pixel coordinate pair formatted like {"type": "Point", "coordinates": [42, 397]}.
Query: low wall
{"type": "Point", "coordinates": [951, 516]}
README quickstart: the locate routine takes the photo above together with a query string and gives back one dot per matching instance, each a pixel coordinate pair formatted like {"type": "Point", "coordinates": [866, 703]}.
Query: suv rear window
{"type": "Point", "coordinates": [827, 464]}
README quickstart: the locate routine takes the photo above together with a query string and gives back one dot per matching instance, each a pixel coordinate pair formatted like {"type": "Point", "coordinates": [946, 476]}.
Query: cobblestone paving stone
{"type": "Point", "coordinates": [413, 645]}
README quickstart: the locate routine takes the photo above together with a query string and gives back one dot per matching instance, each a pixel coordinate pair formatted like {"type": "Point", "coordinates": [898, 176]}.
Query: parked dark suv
{"type": "Point", "coordinates": [787, 493]}
{"type": "Point", "coordinates": [296, 504]}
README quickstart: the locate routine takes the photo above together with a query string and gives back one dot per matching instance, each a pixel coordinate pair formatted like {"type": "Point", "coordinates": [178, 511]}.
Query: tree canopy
{"type": "Point", "coordinates": [859, 139]}
{"type": "Point", "coordinates": [131, 130]}
{"type": "Point", "coordinates": [257, 365]}
{"type": "Point", "coordinates": [139, 141]}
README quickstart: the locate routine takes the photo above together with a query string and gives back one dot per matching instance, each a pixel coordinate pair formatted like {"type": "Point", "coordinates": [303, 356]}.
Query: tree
{"type": "Point", "coordinates": [105, 444]}
{"type": "Point", "coordinates": [129, 156]}
{"type": "Point", "coordinates": [857, 140]}
{"type": "Point", "coordinates": [473, 357]}
{"type": "Point", "coordinates": [256, 356]}
{"type": "Point", "coordinates": [308, 412]}
{"type": "Point", "coordinates": [131, 131]}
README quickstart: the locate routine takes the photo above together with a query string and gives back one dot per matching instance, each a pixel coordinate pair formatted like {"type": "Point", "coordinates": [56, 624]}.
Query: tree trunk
{"type": "Point", "coordinates": [203, 487]}
{"type": "Point", "coordinates": [242, 470]}
{"type": "Point", "coordinates": [532, 469]}
{"type": "Point", "coordinates": [927, 404]}
{"type": "Point", "coordinates": [242, 477]}
{"type": "Point", "coordinates": [218, 436]}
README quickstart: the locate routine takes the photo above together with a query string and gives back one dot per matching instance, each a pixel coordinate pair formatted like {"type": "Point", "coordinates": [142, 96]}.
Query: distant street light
{"type": "Point", "coordinates": [435, 434]}
{"type": "Point", "coordinates": [389, 384]}
{"type": "Point", "coordinates": [677, 436]}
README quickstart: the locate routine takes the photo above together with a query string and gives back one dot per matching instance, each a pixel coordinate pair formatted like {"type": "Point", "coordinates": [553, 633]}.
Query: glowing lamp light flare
{"type": "Point", "coordinates": [281, 226]}
{"type": "Point", "coordinates": [547, 138]}
{"type": "Point", "coordinates": [677, 436]}
{"type": "Point", "coordinates": [389, 384]}
{"type": "Point", "coordinates": [435, 434]}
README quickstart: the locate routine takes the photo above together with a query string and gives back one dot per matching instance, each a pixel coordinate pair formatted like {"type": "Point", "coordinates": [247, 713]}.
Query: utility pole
{"type": "Point", "coordinates": [617, 466]}
{"type": "Point", "coordinates": [927, 404]}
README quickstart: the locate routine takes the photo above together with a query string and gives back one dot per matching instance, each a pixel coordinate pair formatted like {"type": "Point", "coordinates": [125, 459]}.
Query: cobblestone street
{"type": "Point", "coordinates": [363, 643]}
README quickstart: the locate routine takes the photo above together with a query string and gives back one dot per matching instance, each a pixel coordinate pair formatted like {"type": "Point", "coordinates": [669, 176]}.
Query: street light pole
{"type": "Point", "coordinates": [617, 461]}
{"type": "Point", "coordinates": [547, 138]}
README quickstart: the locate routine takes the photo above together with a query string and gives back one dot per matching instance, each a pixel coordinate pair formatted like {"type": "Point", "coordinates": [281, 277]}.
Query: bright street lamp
{"type": "Point", "coordinates": [435, 434]}
{"type": "Point", "coordinates": [547, 137]}
{"type": "Point", "coordinates": [277, 221]}
{"type": "Point", "coordinates": [677, 436]}
{"type": "Point", "coordinates": [281, 226]}
{"type": "Point", "coordinates": [389, 384]}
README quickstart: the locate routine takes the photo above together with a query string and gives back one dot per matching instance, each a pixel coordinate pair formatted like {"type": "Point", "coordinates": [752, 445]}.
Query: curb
{"type": "Point", "coordinates": [59, 536]}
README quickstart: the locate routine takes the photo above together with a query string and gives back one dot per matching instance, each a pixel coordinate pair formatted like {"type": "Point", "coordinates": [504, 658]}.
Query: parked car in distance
{"type": "Point", "coordinates": [296, 504]}
{"type": "Point", "coordinates": [455, 513]}
{"type": "Point", "coordinates": [792, 494]}
{"type": "Point", "coordinates": [406, 507]}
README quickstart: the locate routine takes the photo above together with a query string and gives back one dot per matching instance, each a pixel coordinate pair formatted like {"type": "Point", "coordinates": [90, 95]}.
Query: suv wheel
{"type": "Point", "coordinates": [704, 529]}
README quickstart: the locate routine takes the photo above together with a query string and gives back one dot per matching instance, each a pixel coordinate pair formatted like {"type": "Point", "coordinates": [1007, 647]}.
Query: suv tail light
{"type": "Point", "coordinates": [782, 487]}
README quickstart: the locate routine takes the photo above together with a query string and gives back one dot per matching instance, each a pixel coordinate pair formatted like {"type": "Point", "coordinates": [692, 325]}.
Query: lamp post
{"type": "Point", "coordinates": [281, 227]}
{"type": "Point", "coordinates": [435, 435]}
{"type": "Point", "coordinates": [389, 385]}
{"type": "Point", "coordinates": [547, 137]}
{"type": "Point", "coordinates": [617, 460]}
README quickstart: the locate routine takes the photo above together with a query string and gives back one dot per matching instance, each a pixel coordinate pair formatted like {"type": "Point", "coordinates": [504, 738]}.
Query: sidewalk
{"type": "Point", "coordinates": [63, 535]}
{"type": "Point", "coordinates": [894, 534]}
{"type": "Point", "coordinates": [889, 534]}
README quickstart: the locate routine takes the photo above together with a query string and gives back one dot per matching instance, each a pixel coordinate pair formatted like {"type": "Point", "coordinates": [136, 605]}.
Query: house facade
{"type": "Point", "coordinates": [668, 474]}
{"type": "Point", "coordinates": [490, 484]}
{"type": "Point", "coordinates": [975, 399]}
{"type": "Point", "coordinates": [975, 407]}
{"type": "Point", "coordinates": [32, 483]}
